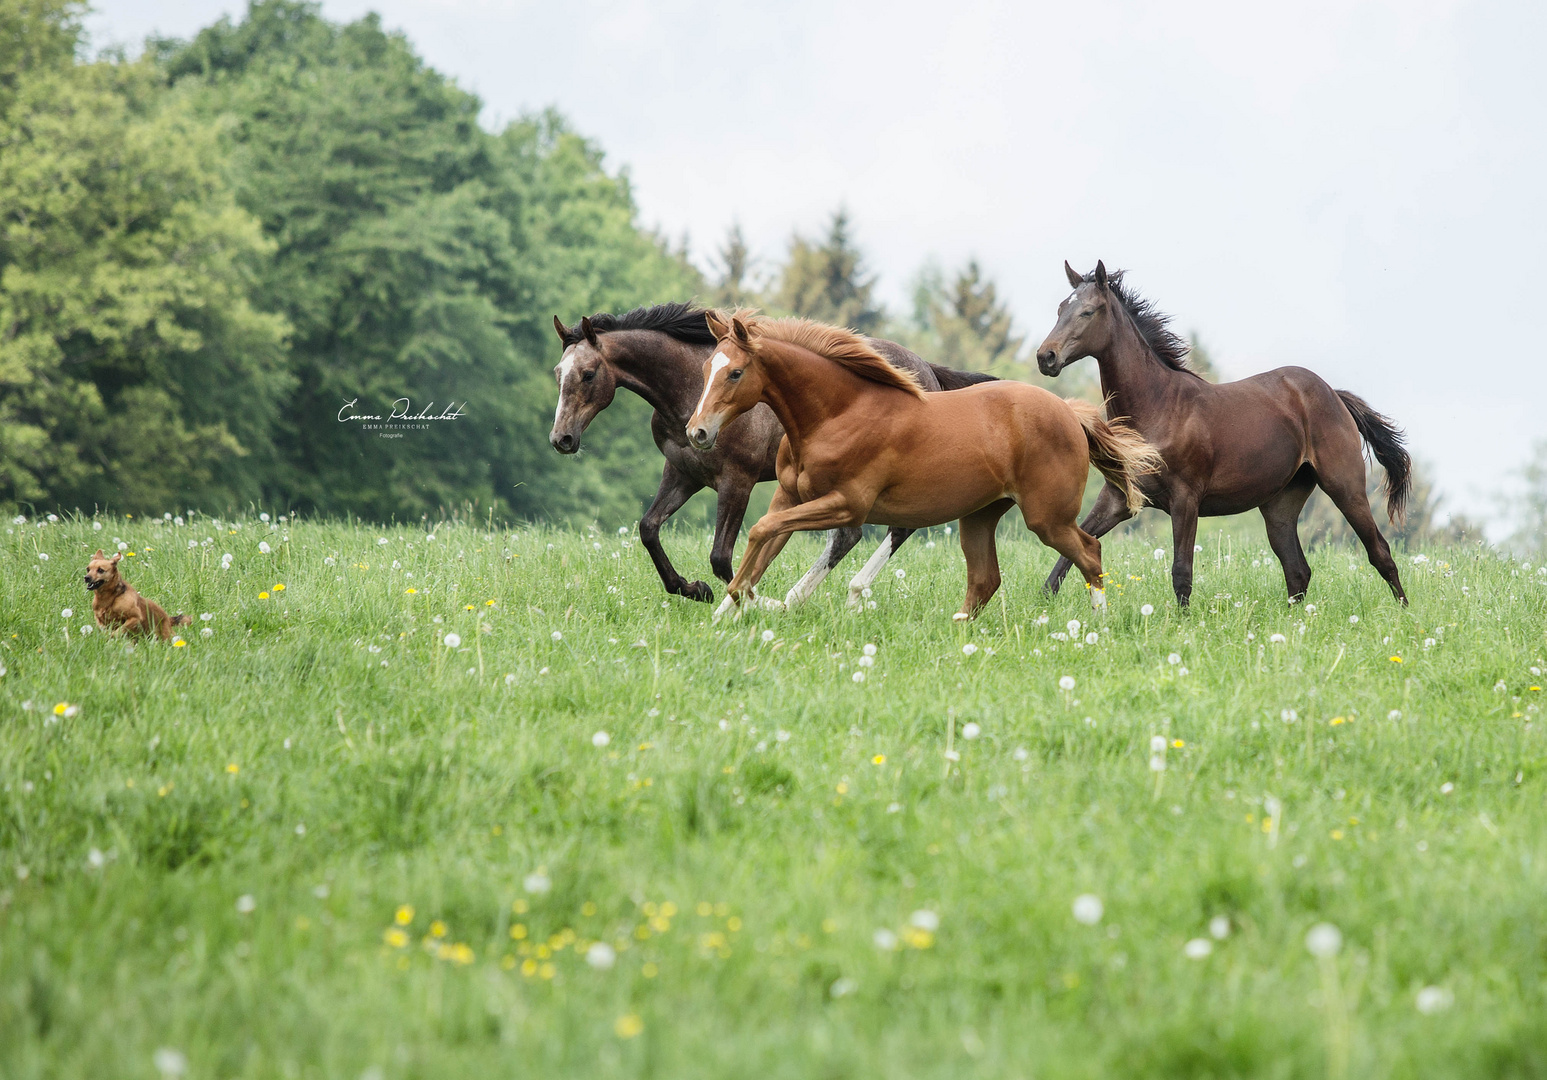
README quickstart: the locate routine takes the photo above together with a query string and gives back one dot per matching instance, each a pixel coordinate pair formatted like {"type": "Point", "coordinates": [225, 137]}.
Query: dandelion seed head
{"type": "Point", "coordinates": [1323, 940]}
{"type": "Point", "coordinates": [1147, 610]}
{"type": "Point", "coordinates": [1066, 683]}
{"type": "Point", "coordinates": [1198, 948]}
{"type": "Point", "coordinates": [1088, 909]}
{"type": "Point", "coordinates": [971, 730]}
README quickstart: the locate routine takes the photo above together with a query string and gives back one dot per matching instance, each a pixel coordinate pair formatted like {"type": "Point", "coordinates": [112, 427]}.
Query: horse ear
{"type": "Point", "coordinates": [1101, 274]}
{"type": "Point", "coordinates": [717, 326]}
{"type": "Point", "coordinates": [743, 335]}
{"type": "Point", "coordinates": [588, 330]}
{"type": "Point", "coordinates": [1075, 280]}
{"type": "Point", "coordinates": [560, 329]}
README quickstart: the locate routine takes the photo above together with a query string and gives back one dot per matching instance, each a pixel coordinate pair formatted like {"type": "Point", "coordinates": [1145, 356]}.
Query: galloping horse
{"type": "Point", "coordinates": [1265, 442]}
{"type": "Point", "coordinates": [659, 353]}
{"type": "Point", "coordinates": [862, 442]}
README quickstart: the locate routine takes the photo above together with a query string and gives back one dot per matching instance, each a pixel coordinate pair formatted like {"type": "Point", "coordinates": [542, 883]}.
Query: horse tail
{"type": "Point", "coordinates": [1388, 445]}
{"type": "Point", "coordinates": [1117, 451]}
{"type": "Point", "coordinates": [951, 379]}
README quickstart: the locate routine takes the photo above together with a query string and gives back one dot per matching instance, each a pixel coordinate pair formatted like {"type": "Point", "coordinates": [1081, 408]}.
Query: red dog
{"type": "Point", "coordinates": [117, 606]}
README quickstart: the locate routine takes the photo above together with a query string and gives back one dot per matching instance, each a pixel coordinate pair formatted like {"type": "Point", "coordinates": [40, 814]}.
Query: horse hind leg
{"type": "Point", "coordinates": [839, 543]}
{"type": "Point", "coordinates": [1111, 510]}
{"type": "Point", "coordinates": [1281, 515]}
{"type": "Point", "coordinates": [1081, 549]}
{"type": "Point", "coordinates": [1348, 495]}
{"type": "Point", "coordinates": [872, 569]}
{"type": "Point", "coordinates": [977, 540]}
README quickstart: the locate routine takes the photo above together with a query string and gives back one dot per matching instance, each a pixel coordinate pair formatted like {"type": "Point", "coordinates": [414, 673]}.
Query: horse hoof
{"type": "Point", "coordinates": [698, 590]}
{"type": "Point", "coordinates": [728, 605]}
{"type": "Point", "coordinates": [960, 616]}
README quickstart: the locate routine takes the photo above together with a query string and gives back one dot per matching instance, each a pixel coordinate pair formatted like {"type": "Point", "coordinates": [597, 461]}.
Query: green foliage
{"type": "Point", "coordinates": [134, 371]}
{"type": "Point", "coordinates": [971, 325]}
{"type": "Point", "coordinates": [827, 281]}
{"type": "Point", "coordinates": [1527, 506]}
{"type": "Point", "coordinates": [1201, 359]}
{"type": "Point", "coordinates": [326, 753]}
{"type": "Point", "coordinates": [733, 286]}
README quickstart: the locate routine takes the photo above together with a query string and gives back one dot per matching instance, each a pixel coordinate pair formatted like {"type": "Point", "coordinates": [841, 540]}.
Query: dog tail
{"type": "Point", "coordinates": [1117, 451]}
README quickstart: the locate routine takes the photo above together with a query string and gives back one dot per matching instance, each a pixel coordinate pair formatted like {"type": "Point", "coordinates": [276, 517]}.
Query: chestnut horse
{"type": "Point", "coordinates": [862, 442]}
{"type": "Point", "coordinates": [658, 353]}
{"type": "Point", "coordinates": [1263, 442]}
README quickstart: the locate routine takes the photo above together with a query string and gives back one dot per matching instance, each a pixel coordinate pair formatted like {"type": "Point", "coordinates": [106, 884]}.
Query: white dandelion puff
{"type": "Point", "coordinates": [1198, 948]}
{"type": "Point", "coordinates": [968, 649]}
{"type": "Point", "coordinates": [452, 640]}
{"type": "Point", "coordinates": [1088, 909]}
{"type": "Point", "coordinates": [263, 546]}
{"type": "Point", "coordinates": [601, 956]}
{"type": "Point", "coordinates": [537, 883]}
{"type": "Point", "coordinates": [971, 730]}
{"type": "Point", "coordinates": [1433, 999]}
{"type": "Point", "coordinates": [1066, 683]}
{"type": "Point", "coordinates": [1323, 940]}
{"type": "Point", "coordinates": [1147, 610]}
{"type": "Point", "coordinates": [884, 939]}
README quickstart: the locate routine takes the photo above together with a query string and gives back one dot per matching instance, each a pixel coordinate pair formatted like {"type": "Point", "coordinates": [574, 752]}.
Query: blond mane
{"type": "Point", "coordinates": [843, 347]}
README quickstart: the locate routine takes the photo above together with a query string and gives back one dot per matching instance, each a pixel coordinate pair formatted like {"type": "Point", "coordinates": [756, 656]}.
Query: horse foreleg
{"type": "Point", "coordinates": [1110, 511]}
{"type": "Point", "coordinates": [785, 516]}
{"type": "Point", "coordinates": [1184, 533]}
{"type": "Point", "coordinates": [839, 543]}
{"type": "Point", "coordinates": [675, 490]}
{"type": "Point", "coordinates": [894, 539]}
{"type": "Point", "coordinates": [977, 540]}
{"type": "Point", "coordinates": [730, 508]}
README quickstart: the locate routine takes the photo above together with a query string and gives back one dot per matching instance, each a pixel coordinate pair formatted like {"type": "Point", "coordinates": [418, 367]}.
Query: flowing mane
{"type": "Point", "coordinates": [684, 322]}
{"type": "Point", "coordinates": [1169, 347]}
{"type": "Point", "coordinates": [843, 347]}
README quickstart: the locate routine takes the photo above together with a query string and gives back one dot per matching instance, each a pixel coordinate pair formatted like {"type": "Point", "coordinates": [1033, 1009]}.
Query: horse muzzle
{"type": "Point", "coordinates": [703, 434]}
{"type": "Point", "coordinates": [565, 443]}
{"type": "Point", "coordinates": [1048, 363]}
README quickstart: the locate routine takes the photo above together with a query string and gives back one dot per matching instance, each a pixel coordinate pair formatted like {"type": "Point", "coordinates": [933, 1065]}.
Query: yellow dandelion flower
{"type": "Point", "coordinates": [60, 708]}
{"type": "Point", "coordinates": [829, 926]}
{"type": "Point", "coordinates": [1395, 659]}
{"type": "Point", "coordinates": [529, 966]}
{"type": "Point", "coordinates": [879, 759]}
{"type": "Point", "coordinates": [628, 1026]}
{"type": "Point", "coordinates": [233, 768]}
{"type": "Point", "coordinates": [279, 588]}
{"type": "Point", "coordinates": [842, 789]}
{"type": "Point", "coordinates": [519, 907]}
{"type": "Point", "coordinates": [728, 770]}
{"type": "Point", "coordinates": [517, 931]}
{"type": "Point", "coordinates": [130, 554]}
{"type": "Point", "coordinates": [178, 643]}
{"type": "Point", "coordinates": [263, 596]}
{"type": "Point", "coordinates": [404, 915]}
{"type": "Point", "coordinates": [437, 929]}
{"type": "Point", "coordinates": [669, 910]}
{"type": "Point", "coordinates": [467, 607]}
{"type": "Point", "coordinates": [411, 592]}
{"type": "Point", "coordinates": [733, 923]}
{"type": "Point", "coordinates": [1337, 834]}
{"type": "Point", "coordinates": [1538, 688]}
{"type": "Point", "coordinates": [649, 971]}
{"type": "Point", "coordinates": [462, 954]}
{"type": "Point", "coordinates": [917, 937]}
{"type": "Point", "coordinates": [488, 603]}
{"type": "Point", "coordinates": [395, 938]}
{"type": "Point", "coordinates": [588, 908]}
{"type": "Point", "coordinates": [1177, 743]}
{"type": "Point", "coordinates": [1336, 720]}
{"type": "Point", "coordinates": [547, 971]}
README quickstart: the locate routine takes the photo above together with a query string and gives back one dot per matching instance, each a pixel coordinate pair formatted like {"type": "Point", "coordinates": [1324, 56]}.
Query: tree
{"type": "Point", "coordinates": [135, 371]}
{"type": "Point", "coordinates": [1200, 359]}
{"type": "Point", "coordinates": [733, 287]}
{"type": "Point", "coordinates": [828, 281]}
{"type": "Point", "coordinates": [971, 326]}
{"type": "Point", "coordinates": [1529, 506]}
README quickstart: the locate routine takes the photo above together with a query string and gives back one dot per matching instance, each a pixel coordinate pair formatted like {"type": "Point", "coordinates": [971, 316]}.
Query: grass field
{"type": "Point", "coordinates": [594, 834]}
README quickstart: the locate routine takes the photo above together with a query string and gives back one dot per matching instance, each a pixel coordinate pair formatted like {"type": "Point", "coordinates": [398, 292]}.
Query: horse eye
{"type": "Point", "coordinates": [1086, 314]}
{"type": "Point", "coordinates": [734, 376]}
{"type": "Point", "coordinates": [588, 376]}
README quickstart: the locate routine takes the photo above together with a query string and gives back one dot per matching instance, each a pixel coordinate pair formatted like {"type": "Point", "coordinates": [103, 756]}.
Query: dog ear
{"type": "Point", "coordinates": [1075, 280]}
{"type": "Point", "coordinates": [116, 556]}
{"type": "Point", "coordinates": [99, 554]}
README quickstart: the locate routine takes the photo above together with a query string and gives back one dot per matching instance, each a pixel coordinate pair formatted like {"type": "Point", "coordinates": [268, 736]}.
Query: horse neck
{"type": "Point", "coordinates": [667, 373]}
{"type": "Point", "coordinates": [802, 388]}
{"type": "Point", "coordinates": [1132, 377]}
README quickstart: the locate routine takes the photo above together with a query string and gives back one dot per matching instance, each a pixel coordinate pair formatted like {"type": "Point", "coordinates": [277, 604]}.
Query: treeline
{"type": "Point", "coordinates": [208, 250]}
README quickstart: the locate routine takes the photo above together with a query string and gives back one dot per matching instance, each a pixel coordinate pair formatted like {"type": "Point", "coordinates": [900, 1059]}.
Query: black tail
{"type": "Point", "coordinates": [1386, 442]}
{"type": "Point", "coordinates": [951, 379]}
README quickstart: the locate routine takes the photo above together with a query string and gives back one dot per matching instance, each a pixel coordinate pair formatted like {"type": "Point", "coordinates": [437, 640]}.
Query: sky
{"type": "Point", "coordinates": [1353, 187]}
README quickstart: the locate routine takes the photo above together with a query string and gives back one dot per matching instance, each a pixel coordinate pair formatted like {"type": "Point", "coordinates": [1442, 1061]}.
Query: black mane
{"type": "Point", "coordinates": [1169, 347]}
{"type": "Point", "coordinates": [681, 321]}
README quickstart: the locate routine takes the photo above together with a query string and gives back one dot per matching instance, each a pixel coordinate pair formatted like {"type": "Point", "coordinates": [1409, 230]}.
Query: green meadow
{"type": "Point", "coordinates": [461, 801]}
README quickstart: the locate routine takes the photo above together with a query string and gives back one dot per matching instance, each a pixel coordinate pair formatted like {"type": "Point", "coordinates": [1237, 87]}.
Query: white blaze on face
{"type": "Point", "coordinates": [717, 365]}
{"type": "Point", "coordinates": [566, 365]}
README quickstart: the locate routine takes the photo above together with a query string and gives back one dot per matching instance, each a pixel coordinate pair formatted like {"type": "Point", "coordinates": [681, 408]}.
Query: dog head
{"type": "Point", "coordinates": [102, 570]}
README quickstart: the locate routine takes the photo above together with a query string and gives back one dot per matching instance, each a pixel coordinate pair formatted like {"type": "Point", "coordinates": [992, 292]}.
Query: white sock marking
{"type": "Point", "coordinates": [871, 569]}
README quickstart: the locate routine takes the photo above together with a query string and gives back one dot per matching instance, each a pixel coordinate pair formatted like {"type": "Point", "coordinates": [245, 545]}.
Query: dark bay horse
{"type": "Point", "coordinates": [1263, 442]}
{"type": "Point", "coordinates": [863, 442]}
{"type": "Point", "coordinates": [659, 353]}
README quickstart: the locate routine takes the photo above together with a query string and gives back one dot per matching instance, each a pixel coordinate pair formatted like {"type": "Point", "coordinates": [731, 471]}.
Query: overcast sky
{"type": "Point", "coordinates": [1354, 187]}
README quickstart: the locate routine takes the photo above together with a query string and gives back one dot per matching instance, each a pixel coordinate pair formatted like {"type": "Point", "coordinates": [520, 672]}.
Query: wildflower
{"type": "Point", "coordinates": [600, 739]}
{"type": "Point", "coordinates": [263, 517]}
{"type": "Point", "coordinates": [225, 561]}
{"type": "Point", "coordinates": [1088, 909]}
{"type": "Point", "coordinates": [1147, 610]}
{"type": "Point", "coordinates": [1428, 643]}
{"type": "Point", "coordinates": [86, 630]}
{"type": "Point", "coordinates": [870, 650]}
{"type": "Point", "coordinates": [1177, 744]}
{"type": "Point", "coordinates": [233, 768]}
{"type": "Point", "coordinates": [901, 573]}
{"type": "Point", "coordinates": [178, 642]}
{"type": "Point", "coordinates": [1073, 626]}
{"type": "Point", "coordinates": [411, 592]}
{"type": "Point", "coordinates": [95, 859]}
{"type": "Point", "coordinates": [1395, 659]}
{"type": "Point", "coordinates": [879, 759]}
{"type": "Point", "coordinates": [67, 613]}
{"type": "Point", "coordinates": [1433, 999]}
{"type": "Point", "coordinates": [246, 904]}
{"type": "Point", "coordinates": [557, 636]}
{"type": "Point", "coordinates": [395, 937]}
{"type": "Point", "coordinates": [1160, 553]}
{"type": "Point", "coordinates": [263, 596]}
{"type": "Point", "coordinates": [438, 929]}
{"type": "Point", "coordinates": [1198, 948]}
{"type": "Point", "coordinates": [884, 939]}
{"type": "Point", "coordinates": [43, 555]}
{"type": "Point", "coordinates": [1288, 716]}
{"type": "Point", "coordinates": [867, 661]}
{"type": "Point", "coordinates": [403, 915]}
{"type": "Point", "coordinates": [381, 541]}
{"type": "Point", "coordinates": [1277, 639]}
{"type": "Point", "coordinates": [1219, 927]}
{"type": "Point", "coordinates": [1174, 659]}
{"type": "Point", "coordinates": [1394, 714]}
{"type": "Point", "coordinates": [207, 616]}
{"type": "Point", "coordinates": [858, 676]}
{"type": "Point", "coordinates": [263, 546]}
{"type": "Point", "coordinates": [968, 649]}
{"type": "Point", "coordinates": [628, 1025]}
{"type": "Point", "coordinates": [1091, 638]}
{"type": "Point", "coordinates": [452, 640]}
{"type": "Point", "coordinates": [1353, 620]}
{"type": "Point", "coordinates": [971, 731]}
{"type": "Point", "coordinates": [537, 882]}
{"type": "Point", "coordinates": [1324, 940]}
{"type": "Point", "coordinates": [169, 1062]}
{"type": "Point", "coordinates": [510, 680]}
{"type": "Point", "coordinates": [1447, 787]}
{"type": "Point", "coordinates": [1499, 687]}
{"type": "Point", "coordinates": [1066, 683]}
{"type": "Point", "coordinates": [768, 635]}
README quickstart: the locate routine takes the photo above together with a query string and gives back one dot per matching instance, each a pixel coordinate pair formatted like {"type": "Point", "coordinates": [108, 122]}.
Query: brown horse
{"type": "Point", "coordinates": [1264, 442]}
{"type": "Point", "coordinates": [862, 442]}
{"type": "Point", "coordinates": [658, 353]}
